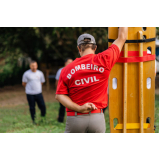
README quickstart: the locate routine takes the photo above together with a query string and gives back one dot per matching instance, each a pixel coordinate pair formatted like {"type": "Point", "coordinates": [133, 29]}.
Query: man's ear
{"type": "Point", "coordinates": [95, 48]}
{"type": "Point", "coordinates": [79, 49]}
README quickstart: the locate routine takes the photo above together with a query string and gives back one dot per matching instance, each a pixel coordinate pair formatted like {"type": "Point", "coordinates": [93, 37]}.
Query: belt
{"type": "Point", "coordinates": [77, 113]}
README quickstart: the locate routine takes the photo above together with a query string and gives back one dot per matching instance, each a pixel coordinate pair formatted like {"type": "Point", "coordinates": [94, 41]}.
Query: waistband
{"type": "Point", "coordinates": [77, 113]}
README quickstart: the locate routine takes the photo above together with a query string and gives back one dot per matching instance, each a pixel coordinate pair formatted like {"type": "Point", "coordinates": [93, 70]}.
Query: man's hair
{"type": "Point", "coordinates": [86, 45]}
{"type": "Point", "coordinates": [32, 62]}
{"type": "Point", "coordinates": [67, 59]}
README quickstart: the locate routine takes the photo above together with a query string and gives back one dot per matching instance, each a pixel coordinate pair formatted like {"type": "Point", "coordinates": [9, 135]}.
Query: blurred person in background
{"type": "Point", "coordinates": [62, 108]}
{"type": "Point", "coordinates": [32, 80]}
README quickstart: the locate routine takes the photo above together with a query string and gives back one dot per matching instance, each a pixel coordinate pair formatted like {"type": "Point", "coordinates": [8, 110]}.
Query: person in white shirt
{"type": "Point", "coordinates": [32, 80]}
{"type": "Point", "coordinates": [62, 108]}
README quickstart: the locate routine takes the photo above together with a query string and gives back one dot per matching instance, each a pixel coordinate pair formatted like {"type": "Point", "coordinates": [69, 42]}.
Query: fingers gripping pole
{"type": "Point", "coordinates": [140, 36]}
{"type": "Point", "coordinates": [125, 75]}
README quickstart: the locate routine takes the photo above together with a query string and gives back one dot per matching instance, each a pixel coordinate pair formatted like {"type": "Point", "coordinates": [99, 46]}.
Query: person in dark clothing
{"type": "Point", "coordinates": [62, 108]}
{"type": "Point", "coordinates": [32, 80]}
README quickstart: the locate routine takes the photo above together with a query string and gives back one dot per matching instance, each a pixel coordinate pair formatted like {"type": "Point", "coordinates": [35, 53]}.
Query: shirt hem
{"type": "Point", "coordinates": [33, 93]}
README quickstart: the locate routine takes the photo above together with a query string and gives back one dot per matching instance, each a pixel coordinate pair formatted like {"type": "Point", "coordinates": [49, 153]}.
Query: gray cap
{"type": "Point", "coordinates": [81, 39]}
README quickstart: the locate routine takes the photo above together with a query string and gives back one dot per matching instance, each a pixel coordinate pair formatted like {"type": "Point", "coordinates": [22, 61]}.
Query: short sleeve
{"type": "Point", "coordinates": [109, 57]}
{"type": "Point", "coordinates": [58, 74]}
{"type": "Point", "coordinates": [24, 78]}
{"type": "Point", "coordinates": [62, 87]}
{"type": "Point", "coordinates": [42, 78]}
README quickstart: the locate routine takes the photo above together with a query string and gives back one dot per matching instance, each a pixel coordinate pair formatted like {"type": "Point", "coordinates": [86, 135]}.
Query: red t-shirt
{"type": "Point", "coordinates": [86, 78]}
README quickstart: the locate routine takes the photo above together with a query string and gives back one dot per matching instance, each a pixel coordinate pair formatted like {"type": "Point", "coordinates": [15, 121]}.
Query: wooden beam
{"type": "Point", "coordinates": [141, 110]}
{"type": "Point", "coordinates": [125, 75]}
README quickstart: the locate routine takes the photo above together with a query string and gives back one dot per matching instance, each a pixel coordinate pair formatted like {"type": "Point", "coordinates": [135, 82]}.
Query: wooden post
{"type": "Point", "coordinates": [125, 75]}
{"type": "Point", "coordinates": [134, 104]}
{"type": "Point", "coordinates": [140, 36]}
{"type": "Point", "coordinates": [47, 79]}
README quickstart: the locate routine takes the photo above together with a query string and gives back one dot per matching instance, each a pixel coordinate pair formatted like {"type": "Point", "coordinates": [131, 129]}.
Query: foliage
{"type": "Point", "coordinates": [12, 73]}
{"type": "Point", "coordinates": [49, 45]}
{"type": "Point", "coordinates": [46, 43]}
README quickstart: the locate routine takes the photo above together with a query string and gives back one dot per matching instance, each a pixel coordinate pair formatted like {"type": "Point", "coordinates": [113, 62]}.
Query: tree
{"type": "Point", "coordinates": [43, 44]}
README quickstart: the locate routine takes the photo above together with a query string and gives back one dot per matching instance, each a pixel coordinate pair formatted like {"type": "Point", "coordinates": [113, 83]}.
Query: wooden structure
{"type": "Point", "coordinates": [132, 82]}
{"type": "Point", "coordinates": [49, 73]}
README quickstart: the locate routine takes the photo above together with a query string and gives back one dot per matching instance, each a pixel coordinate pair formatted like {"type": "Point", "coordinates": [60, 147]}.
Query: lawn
{"type": "Point", "coordinates": [17, 119]}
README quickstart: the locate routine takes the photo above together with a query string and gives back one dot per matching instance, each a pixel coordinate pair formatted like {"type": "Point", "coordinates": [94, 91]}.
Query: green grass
{"type": "Point", "coordinates": [17, 119]}
{"type": "Point", "coordinates": [156, 121]}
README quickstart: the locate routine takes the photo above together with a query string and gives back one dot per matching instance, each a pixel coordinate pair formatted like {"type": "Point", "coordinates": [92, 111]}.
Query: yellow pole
{"type": "Point", "coordinates": [125, 75]}
{"type": "Point", "coordinates": [140, 36]}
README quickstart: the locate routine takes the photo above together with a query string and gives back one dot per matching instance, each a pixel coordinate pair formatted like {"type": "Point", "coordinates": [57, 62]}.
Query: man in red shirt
{"type": "Point", "coordinates": [82, 87]}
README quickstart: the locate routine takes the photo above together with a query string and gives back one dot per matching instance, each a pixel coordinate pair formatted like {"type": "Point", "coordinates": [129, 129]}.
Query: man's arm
{"type": "Point", "coordinates": [122, 36]}
{"type": "Point", "coordinates": [24, 79]}
{"type": "Point", "coordinates": [42, 78]}
{"type": "Point", "coordinates": [24, 84]}
{"type": "Point", "coordinates": [67, 102]}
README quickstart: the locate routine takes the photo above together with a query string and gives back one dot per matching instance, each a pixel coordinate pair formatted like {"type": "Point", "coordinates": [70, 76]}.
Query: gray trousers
{"type": "Point", "coordinates": [87, 123]}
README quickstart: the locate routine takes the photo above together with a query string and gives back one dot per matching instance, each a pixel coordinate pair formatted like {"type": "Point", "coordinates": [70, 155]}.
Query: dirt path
{"type": "Point", "coordinates": [157, 91]}
{"type": "Point", "coordinates": [12, 96]}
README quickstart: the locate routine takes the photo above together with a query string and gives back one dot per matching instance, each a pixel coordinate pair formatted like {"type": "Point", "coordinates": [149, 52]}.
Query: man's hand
{"type": "Point", "coordinates": [87, 107]}
{"type": "Point", "coordinates": [67, 102]}
{"type": "Point", "coordinates": [122, 36]}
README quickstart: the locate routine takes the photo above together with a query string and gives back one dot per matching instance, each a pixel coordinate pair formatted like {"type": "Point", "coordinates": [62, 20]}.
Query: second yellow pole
{"type": "Point", "coordinates": [125, 75]}
{"type": "Point", "coordinates": [140, 36]}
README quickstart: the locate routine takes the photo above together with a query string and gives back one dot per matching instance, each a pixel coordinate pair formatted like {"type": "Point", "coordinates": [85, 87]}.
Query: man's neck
{"type": "Point", "coordinates": [88, 51]}
{"type": "Point", "coordinates": [33, 70]}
